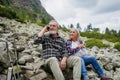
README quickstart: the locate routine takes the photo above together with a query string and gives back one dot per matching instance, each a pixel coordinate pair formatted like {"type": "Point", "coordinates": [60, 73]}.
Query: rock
{"type": "Point", "coordinates": [21, 61]}
{"type": "Point", "coordinates": [30, 53]}
{"type": "Point", "coordinates": [35, 53]}
{"type": "Point", "coordinates": [2, 77]}
{"type": "Point", "coordinates": [2, 46]}
{"type": "Point", "coordinates": [26, 58]}
{"type": "Point", "coordinates": [108, 66]}
{"type": "Point", "coordinates": [34, 72]}
{"type": "Point", "coordinates": [20, 48]}
{"type": "Point", "coordinates": [116, 62]}
{"type": "Point", "coordinates": [1, 68]}
{"type": "Point", "coordinates": [109, 73]}
{"type": "Point", "coordinates": [36, 76]}
{"type": "Point", "coordinates": [95, 49]}
{"type": "Point", "coordinates": [1, 29]}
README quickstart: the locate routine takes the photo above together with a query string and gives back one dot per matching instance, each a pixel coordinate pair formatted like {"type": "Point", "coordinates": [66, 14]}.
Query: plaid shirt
{"type": "Point", "coordinates": [72, 50]}
{"type": "Point", "coordinates": [52, 47]}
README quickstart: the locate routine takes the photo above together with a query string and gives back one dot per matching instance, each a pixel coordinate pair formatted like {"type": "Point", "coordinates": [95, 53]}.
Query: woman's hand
{"type": "Point", "coordinates": [80, 46]}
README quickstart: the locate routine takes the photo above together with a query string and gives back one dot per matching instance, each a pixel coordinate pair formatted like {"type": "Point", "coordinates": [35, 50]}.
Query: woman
{"type": "Point", "coordinates": [75, 47]}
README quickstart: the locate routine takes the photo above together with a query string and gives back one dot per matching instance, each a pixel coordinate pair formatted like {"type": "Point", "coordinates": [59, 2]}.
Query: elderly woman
{"type": "Point", "coordinates": [76, 47]}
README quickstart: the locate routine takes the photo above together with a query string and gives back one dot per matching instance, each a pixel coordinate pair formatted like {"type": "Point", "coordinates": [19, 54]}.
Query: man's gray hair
{"type": "Point", "coordinates": [54, 21]}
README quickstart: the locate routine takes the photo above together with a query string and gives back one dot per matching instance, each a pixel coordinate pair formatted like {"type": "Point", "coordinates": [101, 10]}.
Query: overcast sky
{"type": "Point", "coordinates": [100, 13]}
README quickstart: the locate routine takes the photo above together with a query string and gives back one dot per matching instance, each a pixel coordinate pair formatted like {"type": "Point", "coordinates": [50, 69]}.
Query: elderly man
{"type": "Point", "coordinates": [55, 53]}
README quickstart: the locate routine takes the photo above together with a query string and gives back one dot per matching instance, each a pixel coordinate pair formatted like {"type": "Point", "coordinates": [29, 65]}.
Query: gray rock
{"type": "Point", "coordinates": [28, 51]}
{"type": "Point", "coordinates": [109, 58]}
{"type": "Point", "coordinates": [35, 53]}
{"type": "Point", "coordinates": [95, 49]}
{"type": "Point", "coordinates": [1, 29]}
{"type": "Point", "coordinates": [36, 76]}
{"type": "Point", "coordinates": [2, 77]}
{"type": "Point", "coordinates": [26, 58]}
{"type": "Point", "coordinates": [33, 71]}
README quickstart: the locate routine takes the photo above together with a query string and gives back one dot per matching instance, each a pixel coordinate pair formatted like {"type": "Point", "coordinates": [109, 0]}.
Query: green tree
{"type": "Point", "coordinates": [71, 25]}
{"type": "Point", "coordinates": [107, 31]}
{"type": "Point", "coordinates": [89, 28]}
{"type": "Point", "coordinates": [96, 30]}
{"type": "Point", "coordinates": [43, 20]}
{"type": "Point", "coordinates": [78, 27]}
{"type": "Point", "coordinates": [118, 33]}
{"type": "Point", "coordinates": [113, 32]}
{"type": "Point", "coordinates": [117, 46]}
{"type": "Point", "coordinates": [63, 25]}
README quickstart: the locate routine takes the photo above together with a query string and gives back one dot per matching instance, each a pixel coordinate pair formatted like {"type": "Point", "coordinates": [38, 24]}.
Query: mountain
{"type": "Point", "coordinates": [25, 10]}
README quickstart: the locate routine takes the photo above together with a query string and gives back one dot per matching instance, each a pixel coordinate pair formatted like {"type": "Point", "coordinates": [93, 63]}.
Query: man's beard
{"type": "Point", "coordinates": [53, 32]}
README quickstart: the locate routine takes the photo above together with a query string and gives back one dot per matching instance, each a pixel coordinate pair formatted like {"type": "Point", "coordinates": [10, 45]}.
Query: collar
{"type": "Point", "coordinates": [55, 37]}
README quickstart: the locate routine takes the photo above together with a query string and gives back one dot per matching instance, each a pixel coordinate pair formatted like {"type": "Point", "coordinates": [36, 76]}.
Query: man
{"type": "Point", "coordinates": [55, 53]}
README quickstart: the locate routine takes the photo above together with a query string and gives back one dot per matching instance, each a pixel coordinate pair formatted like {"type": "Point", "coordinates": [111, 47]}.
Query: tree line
{"type": "Point", "coordinates": [90, 32]}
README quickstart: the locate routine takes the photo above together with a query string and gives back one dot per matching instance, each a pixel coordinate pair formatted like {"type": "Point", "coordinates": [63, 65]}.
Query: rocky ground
{"type": "Point", "coordinates": [30, 62]}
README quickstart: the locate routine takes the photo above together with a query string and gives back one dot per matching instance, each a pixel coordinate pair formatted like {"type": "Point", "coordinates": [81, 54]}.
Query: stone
{"type": "Point", "coordinates": [35, 53]}
{"type": "Point", "coordinates": [26, 58]}
{"type": "Point", "coordinates": [2, 77]}
{"type": "Point", "coordinates": [28, 51]}
{"type": "Point", "coordinates": [30, 54]}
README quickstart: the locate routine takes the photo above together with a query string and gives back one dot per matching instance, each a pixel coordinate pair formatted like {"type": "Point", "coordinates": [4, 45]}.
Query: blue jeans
{"type": "Point", "coordinates": [86, 60]}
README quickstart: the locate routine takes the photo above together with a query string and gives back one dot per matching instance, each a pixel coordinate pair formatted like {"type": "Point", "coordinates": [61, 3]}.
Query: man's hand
{"type": "Point", "coordinates": [43, 31]}
{"type": "Point", "coordinates": [63, 63]}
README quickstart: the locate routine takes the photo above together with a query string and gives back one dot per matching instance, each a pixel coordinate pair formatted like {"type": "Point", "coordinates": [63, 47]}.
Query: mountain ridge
{"type": "Point", "coordinates": [30, 10]}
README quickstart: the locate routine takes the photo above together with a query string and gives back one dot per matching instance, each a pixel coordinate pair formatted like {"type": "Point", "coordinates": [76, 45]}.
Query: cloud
{"type": "Point", "coordinates": [106, 6]}
{"type": "Point", "coordinates": [100, 13]}
{"type": "Point", "coordinates": [59, 8]}
{"type": "Point", "coordinates": [84, 3]}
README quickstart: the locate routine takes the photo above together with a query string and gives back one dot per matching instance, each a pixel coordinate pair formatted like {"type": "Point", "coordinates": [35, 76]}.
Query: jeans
{"type": "Point", "coordinates": [86, 60]}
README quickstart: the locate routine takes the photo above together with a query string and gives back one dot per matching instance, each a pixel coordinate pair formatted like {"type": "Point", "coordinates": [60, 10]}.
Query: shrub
{"type": "Point", "coordinates": [95, 42]}
{"type": "Point", "coordinates": [117, 46]}
{"type": "Point", "coordinates": [100, 36]}
{"type": "Point", "coordinates": [23, 15]}
{"type": "Point", "coordinates": [8, 12]}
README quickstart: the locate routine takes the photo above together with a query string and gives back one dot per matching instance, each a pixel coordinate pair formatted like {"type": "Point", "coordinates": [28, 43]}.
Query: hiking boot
{"type": "Point", "coordinates": [86, 78]}
{"type": "Point", "coordinates": [104, 78]}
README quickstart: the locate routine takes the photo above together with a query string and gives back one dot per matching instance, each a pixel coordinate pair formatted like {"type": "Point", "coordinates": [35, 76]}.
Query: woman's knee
{"type": "Point", "coordinates": [93, 58]}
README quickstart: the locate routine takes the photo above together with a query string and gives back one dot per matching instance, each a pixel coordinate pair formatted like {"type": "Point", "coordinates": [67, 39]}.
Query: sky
{"type": "Point", "coordinates": [100, 13]}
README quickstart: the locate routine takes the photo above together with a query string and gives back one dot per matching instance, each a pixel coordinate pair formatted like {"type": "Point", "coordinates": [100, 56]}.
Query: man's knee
{"type": "Point", "coordinates": [53, 59]}
{"type": "Point", "coordinates": [77, 59]}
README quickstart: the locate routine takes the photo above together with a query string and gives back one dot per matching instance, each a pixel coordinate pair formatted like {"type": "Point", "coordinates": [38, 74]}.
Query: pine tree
{"type": "Point", "coordinates": [107, 31]}
{"type": "Point", "coordinates": [71, 26]}
{"type": "Point", "coordinates": [89, 28]}
{"type": "Point", "coordinates": [118, 33]}
{"type": "Point", "coordinates": [78, 27]}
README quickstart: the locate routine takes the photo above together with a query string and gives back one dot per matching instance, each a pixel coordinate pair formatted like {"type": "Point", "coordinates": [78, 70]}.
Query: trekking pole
{"type": "Point", "coordinates": [10, 69]}
{"type": "Point", "coordinates": [16, 56]}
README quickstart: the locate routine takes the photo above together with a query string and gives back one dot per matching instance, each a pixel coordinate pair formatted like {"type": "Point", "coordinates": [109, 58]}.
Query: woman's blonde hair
{"type": "Point", "coordinates": [78, 34]}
